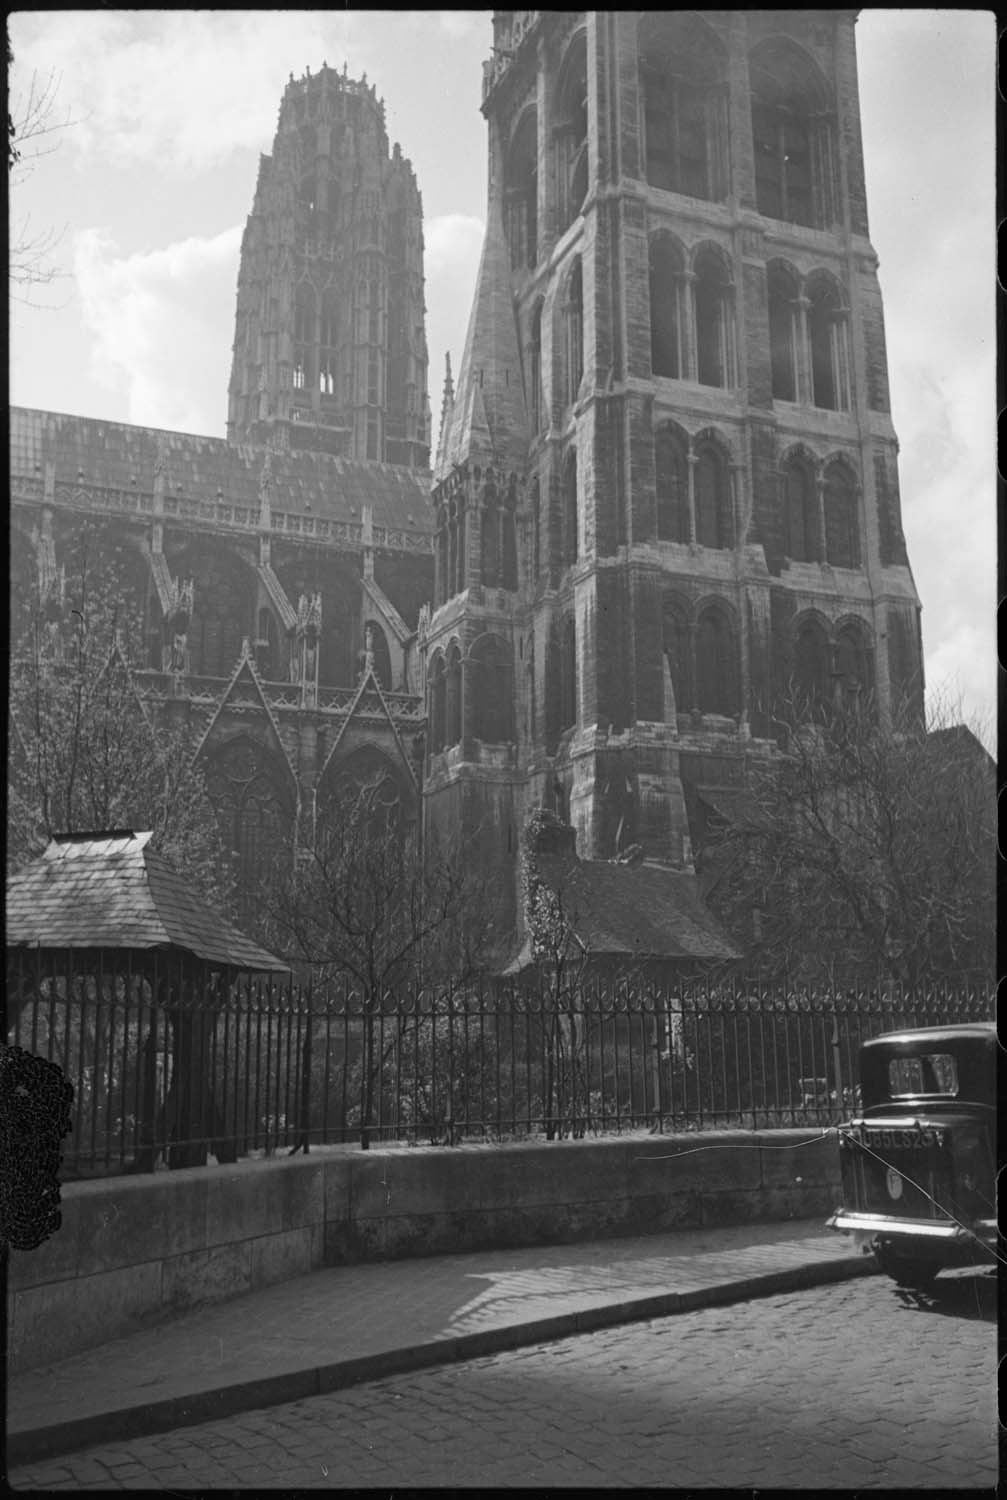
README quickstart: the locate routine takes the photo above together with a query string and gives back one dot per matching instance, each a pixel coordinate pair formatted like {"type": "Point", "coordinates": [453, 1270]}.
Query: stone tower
{"type": "Point", "coordinates": [329, 344]}
{"type": "Point", "coordinates": [667, 492]}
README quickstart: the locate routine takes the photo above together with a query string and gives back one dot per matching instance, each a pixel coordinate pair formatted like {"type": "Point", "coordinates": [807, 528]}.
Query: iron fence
{"type": "Point", "coordinates": [172, 1065]}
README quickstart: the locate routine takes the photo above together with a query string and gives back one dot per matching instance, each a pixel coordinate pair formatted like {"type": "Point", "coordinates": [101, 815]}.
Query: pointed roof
{"type": "Point", "coordinates": [357, 709]}
{"type": "Point", "coordinates": [245, 673]}
{"type": "Point", "coordinates": [489, 420]}
{"type": "Point", "coordinates": [109, 890]}
{"type": "Point", "coordinates": [447, 406]}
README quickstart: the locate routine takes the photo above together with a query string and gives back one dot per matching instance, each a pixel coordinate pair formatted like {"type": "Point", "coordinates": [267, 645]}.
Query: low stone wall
{"type": "Point", "coordinates": [134, 1250]}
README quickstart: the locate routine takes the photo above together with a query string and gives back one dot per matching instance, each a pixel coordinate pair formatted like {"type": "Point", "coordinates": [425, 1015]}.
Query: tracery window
{"type": "Point", "coordinates": [568, 678]}
{"type": "Point", "coordinates": [490, 675]}
{"type": "Point", "coordinates": [304, 334]}
{"type": "Point", "coordinates": [437, 707]}
{"type": "Point", "coordinates": [535, 369]}
{"type": "Point", "coordinates": [366, 780]}
{"type": "Point", "coordinates": [792, 136]}
{"type": "Point", "coordinates": [253, 805]}
{"type": "Point", "coordinates": [453, 695]}
{"type": "Point", "coordinates": [328, 367]}
{"type": "Point", "coordinates": [811, 667]}
{"type": "Point", "coordinates": [570, 510]}
{"type": "Point", "coordinates": [829, 350]}
{"type": "Point", "coordinates": [571, 133]}
{"type": "Point", "coordinates": [223, 613]}
{"type": "Point", "coordinates": [683, 82]}
{"type": "Point", "coordinates": [852, 663]}
{"type": "Point", "coordinates": [574, 330]}
{"type": "Point", "coordinates": [521, 194]}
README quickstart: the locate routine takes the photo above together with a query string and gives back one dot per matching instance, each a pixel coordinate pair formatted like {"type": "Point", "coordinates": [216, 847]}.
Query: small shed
{"type": "Point", "coordinates": [119, 971]}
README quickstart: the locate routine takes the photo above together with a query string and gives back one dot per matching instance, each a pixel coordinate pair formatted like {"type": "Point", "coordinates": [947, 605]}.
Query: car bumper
{"type": "Point", "coordinates": [868, 1227]}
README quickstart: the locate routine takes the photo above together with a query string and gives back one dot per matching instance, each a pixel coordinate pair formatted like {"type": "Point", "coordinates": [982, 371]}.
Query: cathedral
{"type": "Point", "coordinates": [664, 492]}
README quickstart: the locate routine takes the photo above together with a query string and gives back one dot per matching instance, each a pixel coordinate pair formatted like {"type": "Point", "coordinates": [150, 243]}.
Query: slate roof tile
{"type": "Point", "coordinates": [114, 892]}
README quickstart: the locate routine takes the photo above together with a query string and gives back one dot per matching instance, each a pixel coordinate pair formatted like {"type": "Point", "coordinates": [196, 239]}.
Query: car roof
{"type": "Point", "coordinates": [984, 1029]}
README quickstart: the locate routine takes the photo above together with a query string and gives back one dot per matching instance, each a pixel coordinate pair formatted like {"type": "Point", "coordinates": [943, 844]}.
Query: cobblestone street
{"type": "Point", "coordinates": [850, 1385]}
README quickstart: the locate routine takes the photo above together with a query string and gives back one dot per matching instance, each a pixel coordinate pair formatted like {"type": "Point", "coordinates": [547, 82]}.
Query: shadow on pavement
{"type": "Point", "coordinates": [972, 1296]}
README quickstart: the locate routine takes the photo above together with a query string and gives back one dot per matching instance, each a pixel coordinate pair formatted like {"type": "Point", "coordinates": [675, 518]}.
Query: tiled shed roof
{"type": "Point", "coordinates": [639, 911]}
{"type": "Point", "coordinates": [119, 456]}
{"type": "Point", "coordinates": [112, 891]}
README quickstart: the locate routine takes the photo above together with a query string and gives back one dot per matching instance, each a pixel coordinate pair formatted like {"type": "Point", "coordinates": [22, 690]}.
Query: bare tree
{"type": "Point", "coordinates": [369, 907]}
{"type": "Point", "coordinates": [863, 849]}
{"type": "Point", "coordinates": [34, 129]}
{"type": "Point", "coordinates": [86, 752]}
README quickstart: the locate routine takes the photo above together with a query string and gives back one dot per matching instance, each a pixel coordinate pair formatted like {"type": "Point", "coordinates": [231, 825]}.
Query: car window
{"type": "Point", "coordinates": [928, 1073]}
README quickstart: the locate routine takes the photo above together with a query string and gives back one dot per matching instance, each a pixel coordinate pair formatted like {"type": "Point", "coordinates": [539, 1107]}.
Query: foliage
{"type": "Point", "coordinates": [85, 752]}
{"type": "Point", "coordinates": [369, 906]}
{"type": "Point", "coordinates": [866, 848]}
{"type": "Point", "coordinates": [33, 131]}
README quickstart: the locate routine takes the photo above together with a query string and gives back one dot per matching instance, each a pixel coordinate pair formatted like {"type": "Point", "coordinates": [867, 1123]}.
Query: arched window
{"type": "Point", "coordinates": [666, 310]}
{"type": "Point", "coordinates": [223, 612]}
{"type": "Point", "coordinates": [829, 357]}
{"type": "Point", "coordinates": [852, 663]}
{"type": "Point", "coordinates": [672, 470]}
{"type": "Point", "coordinates": [456, 573]}
{"type": "Point", "coordinates": [535, 369]}
{"type": "Point", "coordinates": [521, 194]}
{"type": "Point", "coordinates": [490, 671]}
{"type": "Point", "coordinates": [267, 646]}
{"type": "Point", "coordinates": [571, 133]}
{"type": "Point", "coordinates": [304, 334]}
{"type": "Point", "coordinates": [536, 528]}
{"type": "Point", "coordinates": [568, 684]}
{"type": "Point", "coordinates": [574, 327]}
{"type": "Point", "coordinates": [715, 674]}
{"type": "Point", "coordinates": [570, 509]}
{"type": "Point", "coordinates": [683, 83]}
{"type": "Point", "coordinates": [490, 537]}
{"type": "Point", "coordinates": [842, 533]}
{"type": "Point", "coordinates": [437, 707]}
{"type": "Point", "coordinates": [453, 696]}
{"type": "Point", "coordinates": [811, 667]}
{"type": "Point", "coordinates": [553, 690]}
{"type": "Point", "coordinates": [714, 322]}
{"type": "Point", "coordinates": [252, 801]}
{"type": "Point", "coordinates": [675, 641]}
{"type": "Point", "coordinates": [802, 514]}
{"type": "Point", "coordinates": [443, 571]}
{"type": "Point", "coordinates": [508, 542]}
{"type": "Point", "coordinates": [366, 783]}
{"type": "Point", "coordinates": [712, 497]}
{"type": "Point", "coordinates": [783, 333]}
{"type": "Point", "coordinates": [376, 642]}
{"type": "Point", "coordinates": [791, 136]}
{"type": "Point", "coordinates": [328, 349]}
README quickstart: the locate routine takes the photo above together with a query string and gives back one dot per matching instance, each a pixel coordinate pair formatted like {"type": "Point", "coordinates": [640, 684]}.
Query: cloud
{"type": "Point", "coordinates": [180, 89]}
{"type": "Point", "coordinates": [160, 324]}
{"type": "Point", "coordinates": [452, 240]}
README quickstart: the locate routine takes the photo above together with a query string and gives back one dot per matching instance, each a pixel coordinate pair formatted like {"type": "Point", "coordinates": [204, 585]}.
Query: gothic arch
{"type": "Point", "coordinates": [799, 492]}
{"type": "Point", "coordinates": [535, 402]}
{"type": "Point", "coordinates": [828, 341]}
{"type": "Point", "coordinates": [683, 105]}
{"type": "Point", "coordinates": [571, 507]}
{"type": "Point", "coordinates": [671, 470]}
{"type": "Point", "coordinates": [792, 132]}
{"type": "Point", "coordinates": [453, 694]}
{"type": "Point", "coordinates": [436, 701]}
{"type": "Point", "coordinates": [713, 297]}
{"type": "Point", "coordinates": [677, 622]}
{"type": "Point", "coordinates": [571, 130]}
{"type": "Point", "coordinates": [716, 658]}
{"type": "Point", "coordinates": [842, 518]}
{"type": "Point", "coordinates": [366, 774]}
{"type": "Point", "coordinates": [568, 334]}
{"type": "Point", "coordinates": [250, 788]}
{"type": "Point", "coordinates": [490, 671]}
{"type": "Point", "coordinates": [783, 287]}
{"type": "Point", "coordinates": [811, 661]}
{"type": "Point", "coordinates": [853, 659]}
{"type": "Point", "coordinates": [712, 482]}
{"type": "Point", "coordinates": [668, 313]}
{"type": "Point", "coordinates": [521, 191]}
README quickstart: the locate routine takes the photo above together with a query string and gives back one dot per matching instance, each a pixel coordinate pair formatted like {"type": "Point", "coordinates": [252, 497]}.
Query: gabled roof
{"type": "Point", "coordinates": [109, 890]}
{"type": "Point", "coordinates": [639, 911]}
{"type": "Point", "coordinates": [123, 457]}
{"type": "Point", "coordinates": [245, 673]}
{"type": "Point", "coordinates": [369, 688]}
{"type": "Point", "coordinates": [488, 417]}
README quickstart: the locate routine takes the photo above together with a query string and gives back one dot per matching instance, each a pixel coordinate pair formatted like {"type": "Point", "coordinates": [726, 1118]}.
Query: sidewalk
{"type": "Point", "coordinates": [337, 1327]}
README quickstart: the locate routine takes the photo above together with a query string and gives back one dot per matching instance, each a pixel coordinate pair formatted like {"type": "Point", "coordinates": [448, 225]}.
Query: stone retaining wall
{"type": "Point", "coordinates": [134, 1250]}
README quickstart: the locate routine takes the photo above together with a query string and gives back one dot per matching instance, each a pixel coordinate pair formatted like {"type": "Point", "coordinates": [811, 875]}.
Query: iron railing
{"type": "Point", "coordinates": [172, 1064]}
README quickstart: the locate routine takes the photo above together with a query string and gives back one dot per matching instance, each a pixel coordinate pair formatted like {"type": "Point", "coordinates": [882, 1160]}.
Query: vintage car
{"type": "Point", "coordinates": [918, 1160]}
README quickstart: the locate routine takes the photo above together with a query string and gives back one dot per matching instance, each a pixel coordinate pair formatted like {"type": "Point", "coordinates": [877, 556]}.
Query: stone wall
{"type": "Point", "coordinates": [135, 1250]}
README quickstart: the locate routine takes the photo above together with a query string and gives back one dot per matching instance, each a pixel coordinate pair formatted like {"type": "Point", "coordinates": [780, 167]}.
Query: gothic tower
{"type": "Point", "coordinates": [329, 344]}
{"type": "Point", "coordinates": [667, 496]}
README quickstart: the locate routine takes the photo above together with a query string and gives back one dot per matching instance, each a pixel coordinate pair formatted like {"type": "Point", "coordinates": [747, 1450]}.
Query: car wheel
{"type": "Point", "coordinates": [914, 1272]}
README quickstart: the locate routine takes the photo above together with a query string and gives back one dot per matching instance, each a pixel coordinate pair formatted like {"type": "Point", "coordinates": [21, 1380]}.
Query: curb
{"type": "Point", "coordinates": [37, 1443]}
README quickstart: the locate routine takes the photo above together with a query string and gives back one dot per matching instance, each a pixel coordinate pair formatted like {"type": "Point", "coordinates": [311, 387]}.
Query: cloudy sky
{"type": "Point", "coordinates": [150, 188]}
